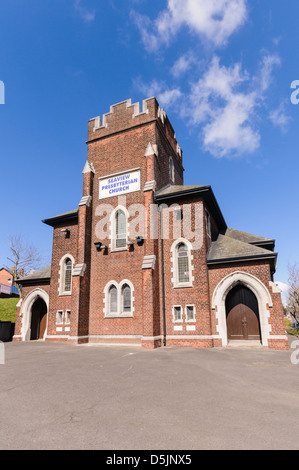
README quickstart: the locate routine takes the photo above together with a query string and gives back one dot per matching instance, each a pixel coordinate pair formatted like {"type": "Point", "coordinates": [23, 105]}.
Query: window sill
{"type": "Point", "coordinates": [115, 250]}
{"type": "Point", "coordinates": [182, 285]}
{"type": "Point", "coordinates": [119, 315]}
{"type": "Point", "coordinates": [64, 293]}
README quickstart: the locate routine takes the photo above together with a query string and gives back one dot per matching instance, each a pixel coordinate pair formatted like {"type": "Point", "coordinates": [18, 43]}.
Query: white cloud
{"type": "Point", "coordinates": [225, 103]}
{"type": "Point", "coordinates": [212, 20]}
{"type": "Point", "coordinates": [166, 96]}
{"type": "Point", "coordinates": [183, 64]}
{"type": "Point", "coordinates": [268, 63]}
{"type": "Point", "coordinates": [279, 117]}
{"type": "Point", "coordinates": [85, 14]}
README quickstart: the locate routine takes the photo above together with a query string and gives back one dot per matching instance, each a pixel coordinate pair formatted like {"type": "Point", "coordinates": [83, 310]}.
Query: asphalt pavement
{"type": "Point", "coordinates": [66, 397]}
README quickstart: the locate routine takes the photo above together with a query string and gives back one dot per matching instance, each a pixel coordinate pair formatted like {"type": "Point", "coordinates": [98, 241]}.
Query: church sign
{"type": "Point", "coordinates": [119, 184]}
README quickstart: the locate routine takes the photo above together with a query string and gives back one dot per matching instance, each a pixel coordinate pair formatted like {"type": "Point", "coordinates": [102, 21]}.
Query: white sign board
{"type": "Point", "coordinates": [120, 184]}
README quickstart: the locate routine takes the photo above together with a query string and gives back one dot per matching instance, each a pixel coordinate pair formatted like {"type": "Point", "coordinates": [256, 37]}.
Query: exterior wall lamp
{"type": "Point", "coordinates": [139, 240]}
{"type": "Point", "coordinates": [100, 247]}
{"type": "Point", "coordinates": [67, 232]}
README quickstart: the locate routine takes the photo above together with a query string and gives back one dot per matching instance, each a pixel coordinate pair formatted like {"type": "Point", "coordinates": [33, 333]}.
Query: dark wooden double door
{"type": "Point", "coordinates": [242, 314]}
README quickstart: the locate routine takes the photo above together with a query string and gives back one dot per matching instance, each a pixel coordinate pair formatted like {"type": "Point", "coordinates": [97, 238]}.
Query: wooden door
{"type": "Point", "coordinates": [38, 319]}
{"type": "Point", "coordinates": [242, 314]}
{"type": "Point", "coordinates": [42, 325]}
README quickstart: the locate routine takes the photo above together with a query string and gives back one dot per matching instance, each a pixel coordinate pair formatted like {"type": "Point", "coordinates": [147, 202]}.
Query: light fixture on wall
{"type": "Point", "coordinates": [99, 246]}
{"type": "Point", "coordinates": [66, 231]}
{"type": "Point", "coordinates": [130, 245]}
{"type": "Point", "coordinates": [139, 240]}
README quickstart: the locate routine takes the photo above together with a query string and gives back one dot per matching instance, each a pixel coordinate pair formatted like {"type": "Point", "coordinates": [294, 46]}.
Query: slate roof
{"type": "Point", "coordinates": [246, 237]}
{"type": "Point", "coordinates": [44, 273]}
{"type": "Point", "coordinates": [172, 189]}
{"type": "Point", "coordinates": [57, 218]}
{"type": "Point", "coordinates": [179, 192]}
{"type": "Point", "coordinates": [227, 248]}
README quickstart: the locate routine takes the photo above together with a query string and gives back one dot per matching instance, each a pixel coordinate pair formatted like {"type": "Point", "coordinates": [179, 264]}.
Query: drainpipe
{"type": "Point", "coordinates": [163, 283]}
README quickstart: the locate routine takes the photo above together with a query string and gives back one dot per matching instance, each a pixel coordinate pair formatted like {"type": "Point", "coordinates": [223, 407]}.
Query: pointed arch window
{"type": "Point", "coordinates": [121, 229]}
{"type": "Point", "coordinates": [182, 263]}
{"type": "Point", "coordinates": [126, 298]}
{"type": "Point", "coordinates": [171, 169]}
{"type": "Point", "coordinates": [113, 301]}
{"type": "Point", "coordinates": [119, 226]}
{"type": "Point", "coordinates": [66, 274]}
{"type": "Point", "coordinates": [119, 299]}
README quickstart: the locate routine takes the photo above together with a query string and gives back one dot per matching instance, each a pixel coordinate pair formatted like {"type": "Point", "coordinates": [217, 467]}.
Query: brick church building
{"type": "Point", "coordinates": [145, 259]}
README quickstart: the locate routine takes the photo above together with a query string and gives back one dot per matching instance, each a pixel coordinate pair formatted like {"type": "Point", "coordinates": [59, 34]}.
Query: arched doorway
{"type": "Point", "coordinates": [261, 293]}
{"type": "Point", "coordinates": [242, 314]}
{"type": "Point", "coordinates": [38, 319]}
{"type": "Point", "coordinates": [34, 315]}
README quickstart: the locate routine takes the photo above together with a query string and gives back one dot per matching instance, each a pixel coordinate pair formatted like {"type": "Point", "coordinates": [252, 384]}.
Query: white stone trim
{"type": "Point", "coordinates": [115, 336]}
{"type": "Point", "coordinates": [88, 168]}
{"type": "Point", "coordinates": [26, 312]}
{"type": "Point", "coordinates": [79, 270]}
{"type": "Point", "coordinates": [275, 288]}
{"type": "Point", "coordinates": [178, 327]}
{"type": "Point", "coordinates": [136, 112]}
{"type": "Point", "coordinates": [149, 262]}
{"type": "Point", "coordinates": [260, 291]}
{"type": "Point", "coordinates": [57, 336]}
{"type": "Point", "coordinates": [85, 201]}
{"type": "Point", "coordinates": [192, 336]}
{"type": "Point", "coordinates": [151, 149]}
{"type": "Point", "coordinates": [150, 186]}
{"type": "Point", "coordinates": [190, 327]}
{"type": "Point", "coordinates": [278, 337]}
{"type": "Point", "coordinates": [152, 338]}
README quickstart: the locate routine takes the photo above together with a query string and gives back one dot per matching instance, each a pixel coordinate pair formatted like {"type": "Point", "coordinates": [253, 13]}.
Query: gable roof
{"type": "Point", "coordinates": [176, 188]}
{"type": "Point", "coordinates": [41, 275]}
{"type": "Point", "coordinates": [249, 237]}
{"type": "Point", "coordinates": [52, 221]}
{"type": "Point", "coordinates": [227, 249]}
{"type": "Point", "coordinates": [180, 192]}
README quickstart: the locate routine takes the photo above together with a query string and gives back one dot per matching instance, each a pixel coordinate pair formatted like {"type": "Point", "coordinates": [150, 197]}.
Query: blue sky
{"type": "Point", "coordinates": [222, 70]}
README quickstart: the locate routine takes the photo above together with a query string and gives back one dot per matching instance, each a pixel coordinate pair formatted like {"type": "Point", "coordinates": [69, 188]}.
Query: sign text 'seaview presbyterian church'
{"type": "Point", "coordinates": [145, 259]}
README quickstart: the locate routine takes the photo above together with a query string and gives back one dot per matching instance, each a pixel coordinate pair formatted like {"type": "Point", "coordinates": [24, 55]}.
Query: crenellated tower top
{"type": "Point", "coordinates": [125, 115]}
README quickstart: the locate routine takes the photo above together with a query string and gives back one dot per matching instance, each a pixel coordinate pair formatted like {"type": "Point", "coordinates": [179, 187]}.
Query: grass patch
{"type": "Point", "coordinates": [292, 331]}
{"type": "Point", "coordinates": [8, 308]}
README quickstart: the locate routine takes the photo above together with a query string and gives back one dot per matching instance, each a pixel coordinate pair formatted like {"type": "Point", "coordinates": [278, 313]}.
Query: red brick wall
{"type": "Point", "coordinates": [5, 277]}
{"type": "Point", "coordinates": [112, 151]}
{"type": "Point", "coordinates": [61, 246]}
